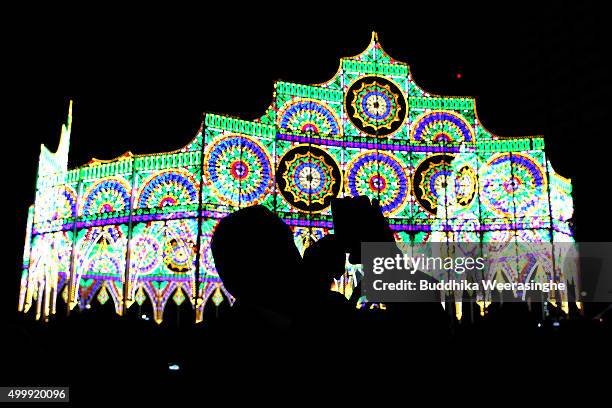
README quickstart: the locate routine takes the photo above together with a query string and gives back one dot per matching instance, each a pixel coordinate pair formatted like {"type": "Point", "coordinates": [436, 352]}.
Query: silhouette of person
{"type": "Point", "coordinates": [284, 307]}
{"type": "Point", "coordinates": [328, 312]}
{"type": "Point", "coordinates": [259, 264]}
{"type": "Point", "coordinates": [422, 319]}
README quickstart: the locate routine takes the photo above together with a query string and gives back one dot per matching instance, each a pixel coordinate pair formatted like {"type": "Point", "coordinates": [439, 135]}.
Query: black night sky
{"type": "Point", "coordinates": [141, 79]}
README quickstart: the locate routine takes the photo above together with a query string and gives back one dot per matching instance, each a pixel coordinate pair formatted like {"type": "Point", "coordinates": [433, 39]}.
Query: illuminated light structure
{"type": "Point", "coordinates": [137, 228]}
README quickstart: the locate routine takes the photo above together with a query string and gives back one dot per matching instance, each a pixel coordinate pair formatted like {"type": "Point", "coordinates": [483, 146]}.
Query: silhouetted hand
{"type": "Point", "coordinates": [357, 220]}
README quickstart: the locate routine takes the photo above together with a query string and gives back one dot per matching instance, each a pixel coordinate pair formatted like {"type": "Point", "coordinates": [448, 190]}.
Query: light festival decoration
{"type": "Point", "coordinates": [137, 228]}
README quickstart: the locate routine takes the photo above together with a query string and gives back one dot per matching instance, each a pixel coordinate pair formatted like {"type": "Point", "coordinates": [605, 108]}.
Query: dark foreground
{"type": "Point", "coordinates": [104, 358]}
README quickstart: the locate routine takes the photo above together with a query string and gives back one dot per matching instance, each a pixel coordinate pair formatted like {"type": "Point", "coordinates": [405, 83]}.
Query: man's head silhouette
{"type": "Point", "coordinates": [257, 259]}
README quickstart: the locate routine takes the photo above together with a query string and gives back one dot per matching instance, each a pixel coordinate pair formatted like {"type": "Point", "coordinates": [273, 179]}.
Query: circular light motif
{"type": "Point", "coordinates": [442, 127]}
{"type": "Point", "coordinates": [431, 182]}
{"type": "Point", "coordinates": [375, 106]}
{"type": "Point", "coordinates": [238, 168]}
{"type": "Point", "coordinates": [179, 255]}
{"type": "Point", "coordinates": [171, 187]}
{"type": "Point", "coordinates": [513, 183]}
{"type": "Point", "coordinates": [107, 195]}
{"type": "Point", "coordinates": [308, 116]}
{"type": "Point", "coordinates": [145, 257]}
{"type": "Point", "coordinates": [378, 183]}
{"type": "Point", "coordinates": [378, 175]}
{"type": "Point", "coordinates": [308, 178]}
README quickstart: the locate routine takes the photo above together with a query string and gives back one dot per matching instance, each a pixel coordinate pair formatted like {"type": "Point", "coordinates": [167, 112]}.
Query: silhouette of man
{"type": "Point", "coordinates": [257, 259]}
{"type": "Point", "coordinates": [422, 320]}
{"type": "Point", "coordinates": [329, 313]}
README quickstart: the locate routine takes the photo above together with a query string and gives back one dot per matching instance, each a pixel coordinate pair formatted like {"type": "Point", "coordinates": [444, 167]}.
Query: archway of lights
{"type": "Point", "coordinates": [137, 228]}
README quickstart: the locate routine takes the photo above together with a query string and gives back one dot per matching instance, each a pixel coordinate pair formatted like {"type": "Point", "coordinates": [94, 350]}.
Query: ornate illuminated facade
{"type": "Point", "coordinates": [137, 228]}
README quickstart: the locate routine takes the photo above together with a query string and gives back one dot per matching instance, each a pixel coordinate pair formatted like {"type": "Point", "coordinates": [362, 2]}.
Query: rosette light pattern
{"type": "Point", "coordinates": [179, 254]}
{"type": "Point", "coordinates": [308, 178]}
{"type": "Point", "coordinates": [442, 127]}
{"type": "Point", "coordinates": [304, 116]}
{"type": "Point", "coordinates": [238, 169]}
{"type": "Point", "coordinates": [106, 196]}
{"type": "Point", "coordinates": [168, 188]}
{"type": "Point", "coordinates": [513, 184]}
{"type": "Point", "coordinates": [432, 182]}
{"type": "Point", "coordinates": [381, 176]}
{"type": "Point", "coordinates": [376, 106]}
